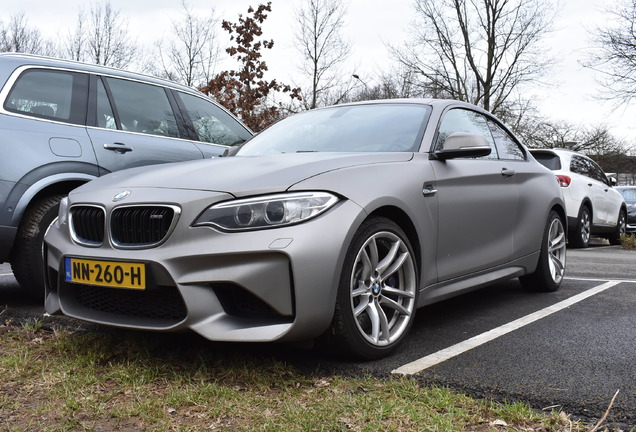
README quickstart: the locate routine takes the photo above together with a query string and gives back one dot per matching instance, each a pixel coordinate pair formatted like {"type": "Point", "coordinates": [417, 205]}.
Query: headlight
{"type": "Point", "coordinates": [269, 211]}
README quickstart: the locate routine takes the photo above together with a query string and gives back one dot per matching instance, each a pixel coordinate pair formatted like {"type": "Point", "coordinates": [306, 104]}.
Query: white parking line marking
{"type": "Point", "coordinates": [600, 280]}
{"type": "Point", "coordinates": [462, 347]}
{"type": "Point", "coordinates": [6, 274]}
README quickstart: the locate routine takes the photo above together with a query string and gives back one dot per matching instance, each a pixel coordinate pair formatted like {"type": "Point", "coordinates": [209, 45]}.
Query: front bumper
{"type": "Point", "coordinates": [269, 285]}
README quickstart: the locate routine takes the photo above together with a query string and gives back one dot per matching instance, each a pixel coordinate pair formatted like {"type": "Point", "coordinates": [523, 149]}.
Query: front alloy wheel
{"type": "Point", "coordinates": [377, 293]}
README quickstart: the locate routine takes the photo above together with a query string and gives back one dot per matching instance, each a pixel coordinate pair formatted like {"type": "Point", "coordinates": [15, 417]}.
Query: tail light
{"type": "Point", "coordinates": [563, 180]}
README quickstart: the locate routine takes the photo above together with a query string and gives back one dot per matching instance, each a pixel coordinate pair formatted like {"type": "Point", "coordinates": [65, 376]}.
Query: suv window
{"type": "Point", "coordinates": [142, 108]}
{"type": "Point", "coordinates": [49, 94]}
{"type": "Point", "coordinates": [579, 166]}
{"type": "Point", "coordinates": [211, 123]}
{"type": "Point", "coordinates": [588, 168]}
{"type": "Point", "coordinates": [597, 172]}
{"type": "Point", "coordinates": [461, 120]}
{"type": "Point", "coordinates": [548, 160]}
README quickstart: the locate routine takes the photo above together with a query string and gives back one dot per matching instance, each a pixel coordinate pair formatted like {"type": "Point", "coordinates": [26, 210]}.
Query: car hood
{"type": "Point", "coordinates": [241, 175]}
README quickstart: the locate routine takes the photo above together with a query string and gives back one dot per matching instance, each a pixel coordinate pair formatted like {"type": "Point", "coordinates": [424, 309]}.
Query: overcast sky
{"type": "Point", "coordinates": [371, 26]}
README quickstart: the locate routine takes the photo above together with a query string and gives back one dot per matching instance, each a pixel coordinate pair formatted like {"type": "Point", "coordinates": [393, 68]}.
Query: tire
{"type": "Point", "coordinates": [377, 293]}
{"type": "Point", "coordinates": [550, 270]}
{"type": "Point", "coordinates": [27, 260]}
{"type": "Point", "coordinates": [621, 229]}
{"type": "Point", "coordinates": [579, 235]}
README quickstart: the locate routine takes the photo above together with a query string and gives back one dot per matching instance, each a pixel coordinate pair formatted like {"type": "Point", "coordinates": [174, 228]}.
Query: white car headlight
{"type": "Point", "coordinates": [270, 211]}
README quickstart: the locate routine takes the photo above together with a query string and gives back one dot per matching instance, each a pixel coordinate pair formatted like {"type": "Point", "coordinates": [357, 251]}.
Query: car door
{"type": "Point", "coordinates": [611, 203]}
{"type": "Point", "coordinates": [134, 124]}
{"type": "Point", "coordinates": [593, 188]}
{"type": "Point", "coordinates": [530, 211]}
{"type": "Point", "coordinates": [477, 200]}
{"type": "Point", "coordinates": [47, 110]}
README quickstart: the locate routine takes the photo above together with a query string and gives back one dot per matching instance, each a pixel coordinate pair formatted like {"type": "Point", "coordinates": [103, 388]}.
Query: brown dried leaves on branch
{"type": "Point", "coordinates": [245, 92]}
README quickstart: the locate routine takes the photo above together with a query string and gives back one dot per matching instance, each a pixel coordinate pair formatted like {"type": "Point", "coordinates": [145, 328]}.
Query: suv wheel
{"type": "Point", "coordinates": [621, 229]}
{"type": "Point", "coordinates": [27, 260]}
{"type": "Point", "coordinates": [579, 235]}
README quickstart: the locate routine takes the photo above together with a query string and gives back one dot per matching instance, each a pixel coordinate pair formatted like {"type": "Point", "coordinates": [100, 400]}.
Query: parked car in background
{"type": "Point", "coordinates": [629, 194]}
{"type": "Point", "coordinates": [64, 123]}
{"type": "Point", "coordinates": [337, 223]}
{"type": "Point", "coordinates": [593, 205]}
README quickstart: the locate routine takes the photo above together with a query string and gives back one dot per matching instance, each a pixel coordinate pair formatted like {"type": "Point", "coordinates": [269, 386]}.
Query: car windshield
{"type": "Point", "coordinates": [353, 128]}
{"type": "Point", "coordinates": [629, 195]}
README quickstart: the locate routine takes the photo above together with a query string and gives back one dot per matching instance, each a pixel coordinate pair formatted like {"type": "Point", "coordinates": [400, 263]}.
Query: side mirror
{"type": "Point", "coordinates": [612, 181]}
{"type": "Point", "coordinates": [463, 145]}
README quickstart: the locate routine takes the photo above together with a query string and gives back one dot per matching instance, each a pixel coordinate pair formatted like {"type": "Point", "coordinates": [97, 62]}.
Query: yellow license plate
{"type": "Point", "coordinates": [117, 274]}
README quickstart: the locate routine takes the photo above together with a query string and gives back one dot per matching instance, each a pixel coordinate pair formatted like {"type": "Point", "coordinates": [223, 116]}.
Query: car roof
{"type": "Point", "coordinates": [437, 103]}
{"type": "Point", "coordinates": [10, 61]}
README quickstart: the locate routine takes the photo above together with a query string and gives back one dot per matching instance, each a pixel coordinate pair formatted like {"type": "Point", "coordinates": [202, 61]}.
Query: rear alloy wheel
{"type": "Point", "coordinates": [550, 269]}
{"type": "Point", "coordinates": [27, 260]}
{"type": "Point", "coordinates": [579, 236]}
{"type": "Point", "coordinates": [621, 229]}
{"type": "Point", "coordinates": [377, 294]}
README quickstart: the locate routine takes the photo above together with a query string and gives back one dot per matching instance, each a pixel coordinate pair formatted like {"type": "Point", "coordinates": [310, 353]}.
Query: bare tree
{"type": "Point", "coordinates": [399, 83]}
{"type": "Point", "coordinates": [101, 37]}
{"type": "Point", "coordinates": [594, 141]}
{"type": "Point", "coordinates": [76, 42]}
{"type": "Point", "coordinates": [615, 53]}
{"type": "Point", "coordinates": [191, 55]}
{"type": "Point", "coordinates": [318, 38]}
{"type": "Point", "coordinates": [17, 36]}
{"type": "Point", "coordinates": [480, 51]}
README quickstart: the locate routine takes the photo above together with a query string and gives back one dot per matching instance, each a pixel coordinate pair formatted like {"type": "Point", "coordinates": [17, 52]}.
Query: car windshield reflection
{"type": "Point", "coordinates": [357, 128]}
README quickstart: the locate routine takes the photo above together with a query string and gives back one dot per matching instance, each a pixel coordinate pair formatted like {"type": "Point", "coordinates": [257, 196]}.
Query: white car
{"type": "Point", "coordinates": [593, 205]}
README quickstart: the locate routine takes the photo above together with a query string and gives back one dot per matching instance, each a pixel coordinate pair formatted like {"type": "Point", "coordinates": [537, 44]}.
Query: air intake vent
{"type": "Point", "coordinates": [163, 306]}
{"type": "Point", "coordinates": [87, 225]}
{"type": "Point", "coordinates": [141, 226]}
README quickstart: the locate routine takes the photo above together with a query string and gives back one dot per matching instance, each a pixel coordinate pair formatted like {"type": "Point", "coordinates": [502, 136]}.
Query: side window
{"type": "Point", "coordinates": [211, 123]}
{"type": "Point", "coordinates": [578, 166]}
{"type": "Point", "coordinates": [142, 107]}
{"type": "Point", "coordinates": [461, 120]}
{"type": "Point", "coordinates": [50, 94]}
{"type": "Point", "coordinates": [507, 147]}
{"type": "Point", "coordinates": [105, 115]}
{"type": "Point", "coordinates": [597, 172]}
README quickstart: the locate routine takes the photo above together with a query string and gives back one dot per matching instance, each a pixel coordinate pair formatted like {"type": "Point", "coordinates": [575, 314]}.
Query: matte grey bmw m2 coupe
{"type": "Point", "coordinates": [335, 224]}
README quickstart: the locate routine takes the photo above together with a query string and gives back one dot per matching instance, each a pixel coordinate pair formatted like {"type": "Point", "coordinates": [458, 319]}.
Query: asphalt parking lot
{"type": "Point", "coordinates": [572, 350]}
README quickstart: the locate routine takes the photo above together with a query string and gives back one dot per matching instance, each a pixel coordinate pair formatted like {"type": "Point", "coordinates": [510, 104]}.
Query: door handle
{"type": "Point", "coordinates": [507, 172]}
{"type": "Point", "coordinates": [118, 147]}
{"type": "Point", "coordinates": [429, 190]}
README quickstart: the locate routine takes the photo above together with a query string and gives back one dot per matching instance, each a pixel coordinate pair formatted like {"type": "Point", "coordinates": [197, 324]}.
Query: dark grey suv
{"type": "Point", "coordinates": [64, 123]}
